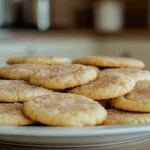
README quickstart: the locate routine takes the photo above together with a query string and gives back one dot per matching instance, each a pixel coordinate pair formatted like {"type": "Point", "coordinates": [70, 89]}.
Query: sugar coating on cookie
{"type": "Point", "coordinates": [20, 71]}
{"type": "Point", "coordinates": [47, 60]}
{"type": "Point", "coordinates": [64, 76]}
{"type": "Point", "coordinates": [19, 91]}
{"type": "Point", "coordinates": [96, 68]}
{"type": "Point", "coordinates": [106, 86]}
{"type": "Point", "coordinates": [63, 109]}
{"type": "Point", "coordinates": [108, 61]}
{"type": "Point", "coordinates": [138, 100]}
{"type": "Point", "coordinates": [11, 114]}
{"type": "Point", "coordinates": [137, 74]}
{"type": "Point", "coordinates": [116, 117]}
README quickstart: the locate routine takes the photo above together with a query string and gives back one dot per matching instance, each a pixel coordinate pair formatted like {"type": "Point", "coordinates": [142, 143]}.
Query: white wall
{"type": "Point", "coordinates": [76, 47]}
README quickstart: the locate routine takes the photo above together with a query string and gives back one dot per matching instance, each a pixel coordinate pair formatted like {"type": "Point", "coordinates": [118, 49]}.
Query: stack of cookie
{"type": "Point", "coordinates": [56, 91]}
{"type": "Point", "coordinates": [33, 84]}
{"type": "Point", "coordinates": [123, 85]}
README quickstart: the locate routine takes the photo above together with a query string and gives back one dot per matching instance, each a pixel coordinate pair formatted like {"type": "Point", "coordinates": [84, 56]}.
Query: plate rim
{"type": "Point", "coordinates": [74, 131]}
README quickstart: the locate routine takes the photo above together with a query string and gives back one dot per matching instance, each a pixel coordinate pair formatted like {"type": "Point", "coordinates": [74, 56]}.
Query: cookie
{"type": "Point", "coordinates": [137, 100]}
{"type": "Point", "coordinates": [47, 60]}
{"type": "Point", "coordinates": [116, 117]}
{"type": "Point", "coordinates": [106, 86]}
{"type": "Point", "coordinates": [96, 68]}
{"type": "Point", "coordinates": [20, 71]}
{"type": "Point", "coordinates": [137, 74]}
{"type": "Point", "coordinates": [11, 114]}
{"type": "Point", "coordinates": [108, 61]}
{"type": "Point", "coordinates": [63, 76]}
{"type": "Point", "coordinates": [63, 109]}
{"type": "Point", "coordinates": [19, 91]}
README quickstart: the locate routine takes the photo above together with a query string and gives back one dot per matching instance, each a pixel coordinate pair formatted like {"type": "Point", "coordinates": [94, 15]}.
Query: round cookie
{"type": "Point", "coordinates": [138, 100]}
{"type": "Point", "coordinates": [106, 86]}
{"type": "Point", "coordinates": [20, 71]}
{"type": "Point", "coordinates": [108, 61]}
{"type": "Point", "coordinates": [63, 76]}
{"type": "Point", "coordinates": [11, 114]}
{"type": "Point", "coordinates": [137, 74]}
{"type": "Point", "coordinates": [116, 117]}
{"type": "Point", "coordinates": [63, 109]}
{"type": "Point", "coordinates": [19, 91]}
{"type": "Point", "coordinates": [47, 60]}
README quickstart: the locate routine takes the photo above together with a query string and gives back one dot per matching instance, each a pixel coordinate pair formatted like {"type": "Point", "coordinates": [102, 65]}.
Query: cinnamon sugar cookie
{"type": "Point", "coordinates": [116, 117]}
{"type": "Point", "coordinates": [108, 61]}
{"type": "Point", "coordinates": [11, 114]}
{"type": "Point", "coordinates": [19, 91]}
{"type": "Point", "coordinates": [137, 74]}
{"type": "Point", "coordinates": [106, 86]}
{"type": "Point", "coordinates": [138, 100]}
{"type": "Point", "coordinates": [63, 76]}
{"type": "Point", "coordinates": [47, 60]}
{"type": "Point", "coordinates": [63, 109]}
{"type": "Point", "coordinates": [20, 71]}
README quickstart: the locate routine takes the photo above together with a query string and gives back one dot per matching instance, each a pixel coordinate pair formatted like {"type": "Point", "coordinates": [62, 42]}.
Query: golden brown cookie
{"type": "Point", "coordinates": [116, 117]}
{"type": "Point", "coordinates": [137, 74]}
{"type": "Point", "coordinates": [63, 109]}
{"type": "Point", "coordinates": [138, 100]}
{"type": "Point", "coordinates": [63, 76]}
{"type": "Point", "coordinates": [106, 86]}
{"type": "Point", "coordinates": [108, 61]}
{"type": "Point", "coordinates": [20, 71]}
{"type": "Point", "coordinates": [19, 91]}
{"type": "Point", "coordinates": [11, 114]}
{"type": "Point", "coordinates": [47, 60]}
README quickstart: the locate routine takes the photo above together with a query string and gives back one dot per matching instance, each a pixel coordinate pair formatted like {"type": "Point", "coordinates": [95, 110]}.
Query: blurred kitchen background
{"type": "Point", "coordinates": [75, 28]}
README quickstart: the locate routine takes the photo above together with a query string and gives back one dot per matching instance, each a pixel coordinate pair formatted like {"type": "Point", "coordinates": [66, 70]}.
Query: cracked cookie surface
{"type": "Point", "coordinates": [20, 71]}
{"type": "Point", "coordinates": [106, 86]}
{"type": "Point", "coordinates": [11, 114]}
{"type": "Point", "coordinates": [138, 100]}
{"type": "Point", "coordinates": [63, 76]}
{"type": "Point", "coordinates": [63, 109]}
{"type": "Point", "coordinates": [19, 91]}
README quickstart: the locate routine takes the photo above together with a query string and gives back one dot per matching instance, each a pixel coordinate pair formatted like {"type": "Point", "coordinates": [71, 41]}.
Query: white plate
{"type": "Point", "coordinates": [74, 137]}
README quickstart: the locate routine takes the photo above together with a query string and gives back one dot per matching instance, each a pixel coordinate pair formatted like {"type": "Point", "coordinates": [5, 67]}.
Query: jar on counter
{"type": "Point", "coordinates": [37, 12]}
{"type": "Point", "coordinates": [109, 15]}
